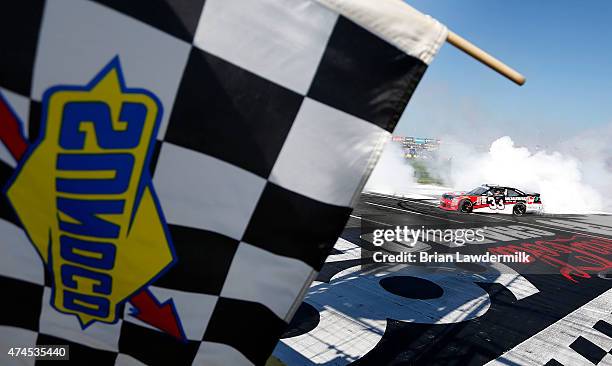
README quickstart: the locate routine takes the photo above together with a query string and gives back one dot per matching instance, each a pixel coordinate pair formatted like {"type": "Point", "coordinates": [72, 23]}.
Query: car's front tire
{"type": "Point", "coordinates": [519, 209]}
{"type": "Point", "coordinates": [465, 206]}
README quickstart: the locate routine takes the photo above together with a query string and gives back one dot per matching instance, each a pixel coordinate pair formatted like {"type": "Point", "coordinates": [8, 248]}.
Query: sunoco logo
{"type": "Point", "coordinates": [84, 196]}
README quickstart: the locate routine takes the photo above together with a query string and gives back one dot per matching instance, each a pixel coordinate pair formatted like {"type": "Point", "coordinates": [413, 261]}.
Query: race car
{"type": "Point", "coordinates": [493, 199]}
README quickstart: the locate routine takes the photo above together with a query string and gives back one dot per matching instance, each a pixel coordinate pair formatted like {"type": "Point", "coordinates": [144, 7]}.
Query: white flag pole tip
{"type": "Point", "coordinates": [480, 55]}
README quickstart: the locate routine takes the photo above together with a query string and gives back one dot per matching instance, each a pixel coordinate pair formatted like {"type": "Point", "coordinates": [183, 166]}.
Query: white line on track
{"type": "Point", "coordinates": [376, 222]}
{"type": "Point", "coordinates": [415, 200]}
{"type": "Point", "coordinates": [545, 226]}
{"type": "Point", "coordinates": [413, 212]}
{"type": "Point", "coordinates": [550, 227]}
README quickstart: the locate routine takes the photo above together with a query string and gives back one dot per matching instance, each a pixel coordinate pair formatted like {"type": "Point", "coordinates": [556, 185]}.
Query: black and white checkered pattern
{"type": "Point", "coordinates": [274, 114]}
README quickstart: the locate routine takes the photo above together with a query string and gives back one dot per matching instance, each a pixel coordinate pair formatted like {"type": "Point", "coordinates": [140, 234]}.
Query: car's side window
{"type": "Point", "coordinates": [512, 193]}
{"type": "Point", "coordinates": [497, 192]}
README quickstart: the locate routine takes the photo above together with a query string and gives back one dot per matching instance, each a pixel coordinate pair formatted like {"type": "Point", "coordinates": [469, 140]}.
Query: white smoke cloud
{"type": "Point", "coordinates": [594, 151]}
{"type": "Point", "coordinates": [393, 174]}
{"type": "Point", "coordinates": [573, 176]}
{"type": "Point", "coordinates": [567, 184]}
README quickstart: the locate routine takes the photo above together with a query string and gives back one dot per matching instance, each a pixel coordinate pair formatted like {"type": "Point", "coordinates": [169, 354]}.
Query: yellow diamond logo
{"type": "Point", "coordinates": [84, 195]}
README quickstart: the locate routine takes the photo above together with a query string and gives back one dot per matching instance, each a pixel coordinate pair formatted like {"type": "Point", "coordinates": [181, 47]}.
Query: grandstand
{"type": "Point", "coordinates": [418, 147]}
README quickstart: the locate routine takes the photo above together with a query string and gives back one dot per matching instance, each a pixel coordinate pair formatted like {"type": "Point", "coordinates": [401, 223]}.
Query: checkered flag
{"type": "Point", "coordinates": [176, 172]}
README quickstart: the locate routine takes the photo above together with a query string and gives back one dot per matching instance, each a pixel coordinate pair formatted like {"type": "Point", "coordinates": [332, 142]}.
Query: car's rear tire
{"type": "Point", "coordinates": [519, 209]}
{"type": "Point", "coordinates": [465, 206]}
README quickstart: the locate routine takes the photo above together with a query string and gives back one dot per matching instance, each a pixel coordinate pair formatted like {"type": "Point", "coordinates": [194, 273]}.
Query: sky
{"type": "Point", "coordinates": [563, 47]}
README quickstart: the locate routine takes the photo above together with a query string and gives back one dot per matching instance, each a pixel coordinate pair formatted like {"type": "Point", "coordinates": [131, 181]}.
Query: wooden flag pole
{"type": "Point", "coordinates": [480, 55]}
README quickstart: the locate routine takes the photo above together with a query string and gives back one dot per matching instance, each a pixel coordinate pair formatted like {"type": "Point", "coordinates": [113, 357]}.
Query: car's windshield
{"type": "Point", "coordinates": [477, 191]}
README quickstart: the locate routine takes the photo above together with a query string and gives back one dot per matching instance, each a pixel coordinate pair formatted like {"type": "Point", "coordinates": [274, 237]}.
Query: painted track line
{"type": "Point", "coordinates": [544, 226]}
{"type": "Point", "coordinates": [376, 222]}
{"type": "Point", "coordinates": [414, 200]}
{"type": "Point", "coordinates": [539, 224]}
{"type": "Point", "coordinates": [413, 212]}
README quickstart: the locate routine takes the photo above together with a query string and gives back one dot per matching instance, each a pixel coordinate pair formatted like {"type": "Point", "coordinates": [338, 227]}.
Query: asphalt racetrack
{"type": "Point", "coordinates": [554, 310]}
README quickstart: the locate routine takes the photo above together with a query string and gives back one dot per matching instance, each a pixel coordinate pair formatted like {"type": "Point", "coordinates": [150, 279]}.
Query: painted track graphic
{"type": "Point", "coordinates": [554, 311]}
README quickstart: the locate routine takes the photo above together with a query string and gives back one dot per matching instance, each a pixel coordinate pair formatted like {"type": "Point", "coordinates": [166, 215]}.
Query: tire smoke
{"type": "Point", "coordinates": [393, 174]}
{"type": "Point", "coordinates": [575, 178]}
{"type": "Point", "coordinates": [560, 178]}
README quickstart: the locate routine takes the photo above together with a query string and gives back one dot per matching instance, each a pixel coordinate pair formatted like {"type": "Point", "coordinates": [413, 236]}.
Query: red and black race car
{"type": "Point", "coordinates": [492, 199]}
